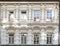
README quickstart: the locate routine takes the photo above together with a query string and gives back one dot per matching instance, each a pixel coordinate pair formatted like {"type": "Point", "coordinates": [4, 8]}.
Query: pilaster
{"type": "Point", "coordinates": [16, 37]}
{"type": "Point", "coordinates": [55, 36]}
{"type": "Point", "coordinates": [3, 36]}
{"type": "Point", "coordinates": [43, 37]}
{"type": "Point", "coordinates": [29, 37]}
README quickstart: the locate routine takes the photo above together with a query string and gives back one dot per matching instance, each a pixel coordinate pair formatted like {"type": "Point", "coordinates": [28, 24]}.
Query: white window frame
{"type": "Point", "coordinates": [49, 38]}
{"type": "Point", "coordinates": [11, 39]}
{"type": "Point", "coordinates": [8, 9]}
{"type": "Point", "coordinates": [37, 40]}
{"type": "Point", "coordinates": [37, 19]}
{"type": "Point", "coordinates": [52, 14]}
{"type": "Point", "coordinates": [21, 15]}
{"type": "Point", "coordinates": [10, 15]}
{"type": "Point", "coordinates": [24, 38]}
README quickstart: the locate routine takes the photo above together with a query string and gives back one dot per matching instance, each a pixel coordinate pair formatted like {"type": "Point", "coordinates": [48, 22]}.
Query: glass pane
{"type": "Point", "coordinates": [11, 15]}
{"type": "Point", "coordinates": [11, 38]}
{"type": "Point", "coordinates": [23, 16]}
{"type": "Point", "coordinates": [36, 39]}
{"type": "Point", "coordinates": [49, 13]}
{"type": "Point", "coordinates": [36, 13]}
{"type": "Point", "coordinates": [23, 12]}
{"type": "Point", "coordinates": [49, 38]}
{"type": "Point", "coordinates": [23, 38]}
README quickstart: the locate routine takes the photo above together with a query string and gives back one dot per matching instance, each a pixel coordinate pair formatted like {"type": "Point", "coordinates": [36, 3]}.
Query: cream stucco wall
{"type": "Point", "coordinates": [42, 27]}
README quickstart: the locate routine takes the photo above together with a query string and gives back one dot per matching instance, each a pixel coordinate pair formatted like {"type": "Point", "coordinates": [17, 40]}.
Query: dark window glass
{"type": "Point", "coordinates": [49, 38]}
{"type": "Point", "coordinates": [11, 38]}
{"type": "Point", "coordinates": [23, 12]}
{"type": "Point", "coordinates": [23, 38]}
{"type": "Point", "coordinates": [36, 38]}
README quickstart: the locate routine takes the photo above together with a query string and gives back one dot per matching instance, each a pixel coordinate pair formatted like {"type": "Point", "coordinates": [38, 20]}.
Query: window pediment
{"type": "Point", "coordinates": [10, 28]}
{"type": "Point", "coordinates": [36, 28]}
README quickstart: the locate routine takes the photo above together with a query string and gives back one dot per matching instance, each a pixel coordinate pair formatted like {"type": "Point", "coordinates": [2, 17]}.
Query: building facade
{"type": "Point", "coordinates": [29, 23]}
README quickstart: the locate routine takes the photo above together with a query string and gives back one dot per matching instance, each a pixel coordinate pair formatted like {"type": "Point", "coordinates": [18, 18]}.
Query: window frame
{"type": "Point", "coordinates": [47, 18]}
{"type": "Point", "coordinates": [36, 38]}
{"type": "Point", "coordinates": [49, 38]}
{"type": "Point", "coordinates": [10, 15]}
{"type": "Point", "coordinates": [20, 15]}
{"type": "Point", "coordinates": [23, 38]}
{"type": "Point", "coordinates": [49, 13]}
{"type": "Point", "coordinates": [37, 18]}
{"type": "Point", "coordinates": [11, 38]}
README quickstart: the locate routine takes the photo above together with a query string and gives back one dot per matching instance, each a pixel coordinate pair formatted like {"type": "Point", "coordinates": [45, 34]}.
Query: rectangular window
{"type": "Point", "coordinates": [49, 13]}
{"type": "Point", "coordinates": [11, 38]}
{"type": "Point", "coordinates": [49, 38]}
{"type": "Point", "coordinates": [36, 38]}
{"type": "Point", "coordinates": [23, 38]}
{"type": "Point", "coordinates": [36, 15]}
{"type": "Point", "coordinates": [11, 16]}
{"type": "Point", "coordinates": [23, 12]}
{"type": "Point", "coordinates": [23, 15]}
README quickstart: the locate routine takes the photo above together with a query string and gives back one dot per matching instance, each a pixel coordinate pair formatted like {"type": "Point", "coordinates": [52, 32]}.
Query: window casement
{"type": "Point", "coordinates": [11, 38]}
{"type": "Point", "coordinates": [23, 38]}
{"type": "Point", "coordinates": [49, 14]}
{"type": "Point", "coordinates": [23, 15]}
{"type": "Point", "coordinates": [36, 15]}
{"type": "Point", "coordinates": [11, 15]}
{"type": "Point", "coordinates": [49, 38]}
{"type": "Point", "coordinates": [36, 38]}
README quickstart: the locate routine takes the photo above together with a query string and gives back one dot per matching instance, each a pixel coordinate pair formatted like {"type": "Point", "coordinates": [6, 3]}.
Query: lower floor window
{"type": "Point", "coordinates": [23, 38]}
{"type": "Point", "coordinates": [36, 38]}
{"type": "Point", "coordinates": [11, 38]}
{"type": "Point", "coordinates": [49, 38]}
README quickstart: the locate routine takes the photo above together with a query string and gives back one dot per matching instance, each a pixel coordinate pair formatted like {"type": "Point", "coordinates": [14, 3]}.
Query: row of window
{"type": "Point", "coordinates": [36, 15]}
{"type": "Point", "coordinates": [24, 38]}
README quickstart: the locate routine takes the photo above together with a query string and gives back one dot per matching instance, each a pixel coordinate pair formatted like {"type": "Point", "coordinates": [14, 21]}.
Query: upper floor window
{"type": "Point", "coordinates": [36, 15]}
{"type": "Point", "coordinates": [36, 38]}
{"type": "Point", "coordinates": [23, 38]}
{"type": "Point", "coordinates": [11, 15]}
{"type": "Point", "coordinates": [49, 13]}
{"type": "Point", "coordinates": [23, 12]}
{"type": "Point", "coordinates": [11, 38]}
